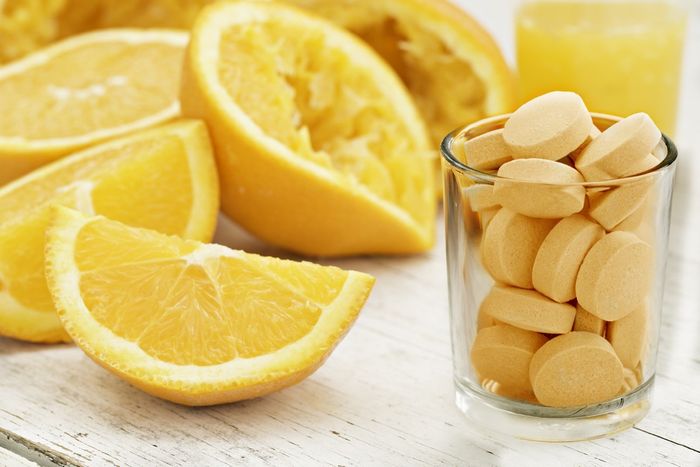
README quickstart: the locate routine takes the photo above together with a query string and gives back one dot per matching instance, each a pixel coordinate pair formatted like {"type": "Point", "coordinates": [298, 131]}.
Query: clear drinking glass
{"type": "Point", "coordinates": [489, 403]}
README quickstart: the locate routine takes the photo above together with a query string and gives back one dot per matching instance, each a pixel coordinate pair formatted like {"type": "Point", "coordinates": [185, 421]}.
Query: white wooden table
{"type": "Point", "coordinates": [385, 397]}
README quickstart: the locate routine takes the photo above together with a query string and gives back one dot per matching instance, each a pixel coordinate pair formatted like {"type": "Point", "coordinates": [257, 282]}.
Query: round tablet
{"type": "Point", "coordinates": [639, 373]}
{"type": "Point", "coordinates": [481, 196]}
{"type": "Point", "coordinates": [628, 336]}
{"type": "Point", "coordinates": [540, 188]}
{"type": "Point", "coordinates": [549, 126]}
{"type": "Point", "coordinates": [633, 222]}
{"type": "Point", "coordinates": [509, 392]}
{"type": "Point", "coordinates": [484, 320]}
{"type": "Point", "coordinates": [528, 309]}
{"type": "Point", "coordinates": [487, 151]}
{"type": "Point", "coordinates": [510, 245]}
{"type": "Point", "coordinates": [630, 381]}
{"type": "Point", "coordinates": [594, 133]}
{"type": "Point", "coordinates": [644, 164]}
{"type": "Point", "coordinates": [587, 322]}
{"type": "Point", "coordinates": [621, 150]}
{"type": "Point", "coordinates": [575, 369]}
{"type": "Point", "coordinates": [502, 353]}
{"type": "Point", "coordinates": [561, 254]}
{"type": "Point", "coordinates": [615, 276]}
{"type": "Point", "coordinates": [641, 222]}
{"type": "Point", "coordinates": [660, 151]}
{"type": "Point", "coordinates": [610, 208]}
{"type": "Point", "coordinates": [485, 216]}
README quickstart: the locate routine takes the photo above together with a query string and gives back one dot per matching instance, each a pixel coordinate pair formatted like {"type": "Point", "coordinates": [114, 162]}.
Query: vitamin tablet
{"type": "Point", "coordinates": [561, 254]}
{"type": "Point", "coordinates": [610, 208]}
{"type": "Point", "coordinates": [519, 394]}
{"type": "Point", "coordinates": [486, 215]}
{"type": "Point", "coordinates": [628, 336]}
{"type": "Point", "coordinates": [549, 126]}
{"type": "Point", "coordinates": [587, 322]}
{"type": "Point", "coordinates": [510, 244]}
{"type": "Point", "coordinates": [528, 309]}
{"type": "Point", "coordinates": [543, 188]}
{"type": "Point", "coordinates": [574, 369]}
{"type": "Point", "coordinates": [644, 164]}
{"type": "Point", "coordinates": [594, 133]}
{"type": "Point", "coordinates": [629, 381]}
{"type": "Point", "coordinates": [487, 151]}
{"type": "Point", "coordinates": [615, 276]}
{"type": "Point", "coordinates": [484, 320]}
{"type": "Point", "coordinates": [640, 222]}
{"type": "Point", "coordinates": [660, 151]}
{"type": "Point", "coordinates": [639, 373]}
{"type": "Point", "coordinates": [632, 222]}
{"type": "Point", "coordinates": [621, 150]}
{"type": "Point", "coordinates": [481, 197]}
{"type": "Point", "coordinates": [481, 200]}
{"type": "Point", "coordinates": [502, 353]}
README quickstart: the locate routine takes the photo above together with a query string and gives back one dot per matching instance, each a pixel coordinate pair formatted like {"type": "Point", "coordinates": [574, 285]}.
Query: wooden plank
{"type": "Point", "coordinates": [10, 459]}
{"type": "Point", "coordinates": [364, 420]}
{"type": "Point", "coordinates": [384, 398]}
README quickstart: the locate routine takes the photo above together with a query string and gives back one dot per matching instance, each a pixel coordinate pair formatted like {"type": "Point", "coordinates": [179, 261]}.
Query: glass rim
{"type": "Point", "coordinates": [449, 156]}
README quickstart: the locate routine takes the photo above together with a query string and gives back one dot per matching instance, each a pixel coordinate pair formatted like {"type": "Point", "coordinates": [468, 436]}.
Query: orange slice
{"type": "Point", "coordinates": [201, 324]}
{"type": "Point", "coordinates": [85, 90]}
{"type": "Point", "coordinates": [162, 179]}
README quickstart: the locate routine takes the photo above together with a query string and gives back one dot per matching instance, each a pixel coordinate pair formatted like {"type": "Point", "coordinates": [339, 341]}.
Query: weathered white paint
{"type": "Point", "coordinates": [9, 458]}
{"type": "Point", "coordinates": [385, 396]}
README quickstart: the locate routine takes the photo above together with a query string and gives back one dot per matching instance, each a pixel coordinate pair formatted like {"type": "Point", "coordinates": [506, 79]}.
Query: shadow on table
{"type": "Point", "coordinates": [10, 346]}
{"type": "Point", "coordinates": [299, 403]}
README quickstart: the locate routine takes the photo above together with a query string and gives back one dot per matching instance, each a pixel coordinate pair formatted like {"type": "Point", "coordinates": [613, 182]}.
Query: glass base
{"type": "Point", "coordinates": [538, 423]}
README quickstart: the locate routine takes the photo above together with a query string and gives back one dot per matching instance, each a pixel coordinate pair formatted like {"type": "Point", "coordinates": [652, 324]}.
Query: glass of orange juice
{"type": "Point", "coordinates": [621, 56]}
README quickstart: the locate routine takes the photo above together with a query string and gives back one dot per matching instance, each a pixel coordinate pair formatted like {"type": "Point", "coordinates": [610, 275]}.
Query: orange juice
{"type": "Point", "coordinates": [622, 57]}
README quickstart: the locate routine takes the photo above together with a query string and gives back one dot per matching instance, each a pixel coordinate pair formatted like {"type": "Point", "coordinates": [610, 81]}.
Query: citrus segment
{"type": "Point", "coordinates": [321, 149]}
{"type": "Point", "coordinates": [127, 80]}
{"type": "Point", "coordinates": [209, 325]}
{"type": "Point", "coordinates": [162, 179]}
{"type": "Point", "coordinates": [306, 278]}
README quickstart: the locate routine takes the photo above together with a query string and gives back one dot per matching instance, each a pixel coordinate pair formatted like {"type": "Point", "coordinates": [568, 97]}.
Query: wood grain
{"type": "Point", "coordinates": [11, 459]}
{"type": "Point", "coordinates": [385, 396]}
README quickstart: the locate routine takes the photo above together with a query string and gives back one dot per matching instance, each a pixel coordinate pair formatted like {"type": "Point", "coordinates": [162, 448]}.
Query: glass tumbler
{"type": "Point", "coordinates": [492, 399]}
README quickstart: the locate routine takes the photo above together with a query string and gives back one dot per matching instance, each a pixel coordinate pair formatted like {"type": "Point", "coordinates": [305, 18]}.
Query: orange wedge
{"type": "Point", "coordinates": [320, 147]}
{"type": "Point", "coordinates": [200, 324]}
{"type": "Point", "coordinates": [162, 179]}
{"type": "Point", "coordinates": [85, 90]}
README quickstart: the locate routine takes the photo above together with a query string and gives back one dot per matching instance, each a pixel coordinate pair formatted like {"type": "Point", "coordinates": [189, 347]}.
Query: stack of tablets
{"type": "Point", "coordinates": [566, 321]}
